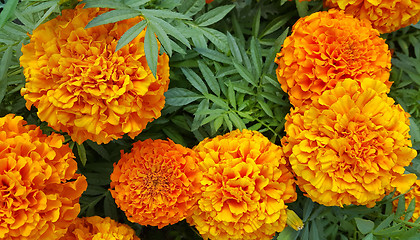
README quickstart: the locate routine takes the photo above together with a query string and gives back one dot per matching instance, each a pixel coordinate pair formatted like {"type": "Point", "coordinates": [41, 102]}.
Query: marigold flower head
{"type": "Point", "coordinates": [351, 145]}
{"type": "Point", "coordinates": [81, 86]}
{"type": "Point", "coordinates": [97, 228]}
{"type": "Point", "coordinates": [245, 187]}
{"type": "Point", "coordinates": [328, 47]}
{"type": "Point", "coordinates": [385, 15]}
{"type": "Point", "coordinates": [39, 190]}
{"type": "Point", "coordinates": [414, 193]}
{"type": "Point", "coordinates": [157, 183]}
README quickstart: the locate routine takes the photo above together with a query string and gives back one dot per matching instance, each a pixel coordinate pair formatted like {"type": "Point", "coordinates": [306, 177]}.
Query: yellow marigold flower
{"type": "Point", "coordinates": [385, 15]}
{"type": "Point", "coordinates": [39, 190]}
{"type": "Point", "coordinates": [414, 193]}
{"type": "Point", "coordinates": [97, 228]}
{"type": "Point", "coordinates": [81, 86]}
{"type": "Point", "coordinates": [328, 47]}
{"type": "Point", "coordinates": [351, 145]}
{"type": "Point", "coordinates": [245, 187]}
{"type": "Point", "coordinates": [157, 183]}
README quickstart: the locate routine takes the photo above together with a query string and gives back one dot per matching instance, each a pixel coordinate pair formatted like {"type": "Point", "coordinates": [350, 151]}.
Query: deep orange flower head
{"type": "Point", "coordinates": [81, 86]}
{"type": "Point", "coordinates": [351, 145]}
{"type": "Point", "coordinates": [157, 183]}
{"type": "Point", "coordinates": [328, 47]}
{"type": "Point", "coordinates": [97, 228]}
{"type": "Point", "coordinates": [414, 193]}
{"type": "Point", "coordinates": [385, 15]}
{"type": "Point", "coordinates": [209, 1]}
{"type": "Point", "coordinates": [245, 187]}
{"type": "Point", "coordinates": [39, 190]}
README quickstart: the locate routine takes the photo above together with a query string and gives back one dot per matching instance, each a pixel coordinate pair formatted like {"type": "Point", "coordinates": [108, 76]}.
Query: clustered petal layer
{"type": "Point", "coordinates": [97, 228]}
{"type": "Point", "coordinates": [157, 183]}
{"type": "Point", "coordinates": [39, 190]}
{"type": "Point", "coordinates": [245, 187]}
{"type": "Point", "coordinates": [328, 47]}
{"type": "Point", "coordinates": [351, 145]}
{"type": "Point", "coordinates": [413, 194]}
{"type": "Point", "coordinates": [81, 86]}
{"type": "Point", "coordinates": [385, 15]}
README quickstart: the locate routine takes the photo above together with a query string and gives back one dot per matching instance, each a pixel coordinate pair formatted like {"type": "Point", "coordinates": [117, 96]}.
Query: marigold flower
{"type": "Point", "coordinates": [39, 190]}
{"type": "Point", "coordinates": [351, 145]}
{"type": "Point", "coordinates": [245, 187]}
{"type": "Point", "coordinates": [97, 228]}
{"type": "Point", "coordinates": [386, 16]}
{"type": "Point", "coordinates": [157, 183]}
{"type": "Point", "coordinates": [81, 86]}
{"type": "Point", "coordinates": [328, 47]}
{"type": "Point", "coordinates": [414, 193]}
{"type": "Point", "coordinates": [209, 1]}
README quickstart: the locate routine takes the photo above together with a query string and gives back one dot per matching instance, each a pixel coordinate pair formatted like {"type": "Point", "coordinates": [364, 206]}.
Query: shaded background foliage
{"type": "Point", "coordinates": [222, 78]}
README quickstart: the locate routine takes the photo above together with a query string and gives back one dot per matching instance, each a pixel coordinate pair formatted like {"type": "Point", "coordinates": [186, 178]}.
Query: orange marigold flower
{"type": "Point", "coordinates": [97, 228]}
{"type": "Point", "coordinates": [245, 187]}
{"type": "Point", "coordinates": [385, 15]}
{"type": "Point", "coordinates": [157, 183]}
{"type": "Point", "coordinates": [209, 1]}
{"type": "Point", "coordinates": [328, 47]}
{"type": "Point", "coordinates": [39, 190]}
{"type": "Point", "coordinates": [351, 145]}
{"type": "Point", "coordinates": [81, 86]}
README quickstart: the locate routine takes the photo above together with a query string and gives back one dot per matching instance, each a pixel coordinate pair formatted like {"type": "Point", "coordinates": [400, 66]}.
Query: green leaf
{"type": "Point", "coordinates": [162, 36]}
{"type": "Point", "coordinates": [164, 14]}
{"type": "Point", "coordinates": [195, 80]}
{"type": "Point", "coordinates": [104, 4]}
{"type": "Point", "coordinates": [54, 8]}
{"type": "Point", "coordinates": [236, 120]}
{"type": "Point", "coordinates": [265, 107]}
{"type": "Point", "coordinates": [99, 149]}
{"type": "Point", "coordinates": [364, 226]}
{"type": "Point", "coordinates": [245, 74]}
{"type": "Point", "coordinates": [7, 11]}
{"type": "Point", "coordinates": [410, 210]}
{"type": "Point", "coordinates": [217, 38]}
{"type": "Point", "coordinates": [191, 7]}
{"type": "Point", "coordinates": [213, 55]}
{"type": "Point", "coordinates": [234, 49]}
{"type": "Point", "coordinates": [385, 223]}
{"type": "Point", "coordinates": [231, 94]}
{"type": "Point", "coordinates": [209, 77]}
{"type": "Point", "coordinates": [213, 116]}
{"type": "Point", "coordinates": [256, 56]}
{"type": "Point", "coordinates": [81, 151]}
{"type": "Point", "coordinates": [256, 23]}
{"type": "Point", "coordinates": [288, 233]}
{"type": "Point", "coordinates": [313, 232]}
{"type": "Point", "coordinates": [135, 3]}
{"type": "Point", "coordinates": [197, 122]}
{"type": "Point", "coordinates": [218, 122]}
{"type": "Point", "coordinates": [214, 15]}
{"type": "Point", "coordinates": [276, 24]}
{"type": "Point", "coordinates": [369, 237]}
{"type": "Point", "coordinates": [307, 209]}
{"type": "Point", "coordinates": [401, 206]}
{"type": "Point", "coordinates": [110, 208]}
{"type": "Point", "coordinates": [4, 66]}
{"type": "Point", "coordinates": [302, 7]}
{"type": "Point", "coordinates": [174, 135]}
{"type": "Point", "coordinates": [151, 50]}
{"type": "Point", "coordinates": [269, 61]}
{"type": "Point", "coordinates": [217, 101]}
{"type": "Point", "coordinates": [169, 29]}
{"type": "Point", "coordinates": [113, 16]}
{"type": "Point", "coordinates": [228, 122]}
{"type": "Point", "coordinates": [130, 34]}
{"type": "Point", "coordinates": [389, 231]}
{"type": "Point", "coordinates": [180, 96]}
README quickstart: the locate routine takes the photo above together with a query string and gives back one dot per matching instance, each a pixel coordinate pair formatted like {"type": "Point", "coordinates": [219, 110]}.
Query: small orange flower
{"type": "Point", "coordinates": [97, 228]}
{"type": "Point", "coordinates": [385, 15]}
{"type": "Point", "coordinates": [328, 47]}
{"type": "Point", "coordinates": [157, 183]}
{"type": "Point", "coordinates": [39, 190]}
{"type": "Point", "coordinates": [351, 145]}
{"type": "Point", "coordinates": [245, 187]}
{"type": "Point", "coordinates": [209, 1]}
{"type": "Point", "coordinates": [81, 86]}
{"type": "Point", "coordinates": [414, 193]}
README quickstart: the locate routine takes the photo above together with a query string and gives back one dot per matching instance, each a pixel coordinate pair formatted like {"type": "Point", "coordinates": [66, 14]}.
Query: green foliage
{"type": "Point", "coordinates": [222, 78]}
